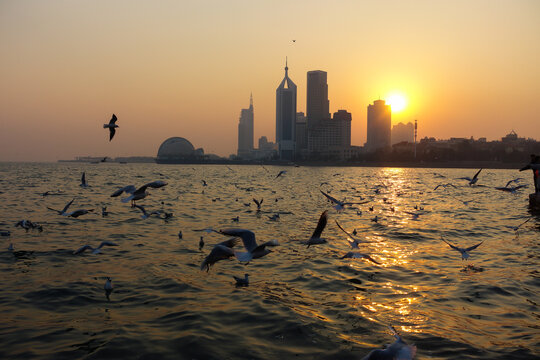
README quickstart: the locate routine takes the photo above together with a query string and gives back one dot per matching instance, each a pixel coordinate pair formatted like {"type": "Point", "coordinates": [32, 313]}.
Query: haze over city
{"type": "Point", "coordinates": [187, 68]}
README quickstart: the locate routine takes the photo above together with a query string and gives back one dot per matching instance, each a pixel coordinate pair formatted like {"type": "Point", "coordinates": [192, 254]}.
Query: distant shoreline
{"type": "Point", "coordinates": [399, 164]}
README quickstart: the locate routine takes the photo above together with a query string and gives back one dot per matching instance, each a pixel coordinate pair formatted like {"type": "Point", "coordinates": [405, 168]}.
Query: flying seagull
{"type": "Point", "coordinates": [444, 186]}
{"type": "Point", "coordinates": [353, 241]}
{"type": "Point", "coordinates": [137, 194]}
{"type": "Point", "coordinates": [398, 350]}
{"type": "Point", "coordinates": [339, 205]}
{"type": "Point", "coordinates": [254, 251]}
{"type": "Point", "coordinates": [316, 236]}
{"type": "Point", "coordinates": [282, 172]}
{"type": "Point", "coordinates": [258, 203]}
{"type": "Point", "coordinates": [94, 250]}
{"type": "Point", "coordinates": [84, 183]}
{"type": "Point", "coordinates": [511, 189]}
{"type": "Point", "coordinates": [221, 251]}
{"type": "Point", "coordinates": [473, 180]}
{"type": "Point", "coordinates": [111, 126]}
{"type": "Point", "coordinates": [464, 251]}
{"type": "Point", "coordinates": [74, 214]}
{"type": "Point", "coordinates": [357, 255]}
{"type": "Point", "coordinates": [146, 215]}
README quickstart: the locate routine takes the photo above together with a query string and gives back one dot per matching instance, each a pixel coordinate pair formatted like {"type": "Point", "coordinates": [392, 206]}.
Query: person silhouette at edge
{"type": "Point", "coordinates": [535, 159]}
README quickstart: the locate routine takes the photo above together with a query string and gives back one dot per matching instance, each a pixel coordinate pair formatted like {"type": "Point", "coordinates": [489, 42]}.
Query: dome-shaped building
{"type": "Point", "coordinates": [178, 150]}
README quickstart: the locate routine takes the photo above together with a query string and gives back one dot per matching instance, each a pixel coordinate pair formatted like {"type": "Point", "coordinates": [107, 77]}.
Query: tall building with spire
{"type": "Point", "coordinates": [286, 117]}
{"type": "Point", "coordinates": [245, 131]}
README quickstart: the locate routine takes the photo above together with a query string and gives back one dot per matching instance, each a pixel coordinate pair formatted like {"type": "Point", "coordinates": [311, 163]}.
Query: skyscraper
{"type": "Point", "coordinates": [286, 117]}
{"type": "Point", "coordinates": [379, 119]}
{"type": "Point", "coordinates": [317, 104]}
{"type": "Point", "coordinates": [245, 131]}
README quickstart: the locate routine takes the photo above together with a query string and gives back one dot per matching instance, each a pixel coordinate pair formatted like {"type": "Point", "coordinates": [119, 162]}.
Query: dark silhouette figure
{"type": "Point", "coordinates": [535, 160]}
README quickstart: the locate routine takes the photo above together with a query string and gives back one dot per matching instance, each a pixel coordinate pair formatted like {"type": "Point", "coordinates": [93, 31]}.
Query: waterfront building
{"type": "Point", "coordinates": [245, 131]}
{"type": "Point", "coordinates": [317, 103]}
{"type": "Point", "coordinates": [286, 117]}
{"type": "Point", "coordinates": [379, 119]}
{"type": "Point", "coordinates": [403, 132]}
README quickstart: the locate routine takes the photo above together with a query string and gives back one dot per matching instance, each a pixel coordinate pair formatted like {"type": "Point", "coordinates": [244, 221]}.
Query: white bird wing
{"type": "Point", "coordinates": [130, 189]}
{"type": "Point", "coordinates": [331, 198]}
{"type": "Point", "coordinates": [156, 184]}
{"type": "Point", "coordinates": [247, 236]}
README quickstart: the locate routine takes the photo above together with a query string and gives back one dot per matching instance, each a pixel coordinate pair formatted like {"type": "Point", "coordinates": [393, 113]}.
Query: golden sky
{"type": "Point", "coordinates": [186, 68]}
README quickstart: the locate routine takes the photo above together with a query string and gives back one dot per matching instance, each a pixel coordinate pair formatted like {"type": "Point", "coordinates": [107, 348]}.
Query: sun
{"type": "Point", "coordinates": [397, 102]}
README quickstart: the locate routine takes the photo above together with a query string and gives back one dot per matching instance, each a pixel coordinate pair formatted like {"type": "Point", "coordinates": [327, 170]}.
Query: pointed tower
{"type": "Point", "coordinates": [245, 131]}
{"type": "Point", "coordinates": [286, 117]}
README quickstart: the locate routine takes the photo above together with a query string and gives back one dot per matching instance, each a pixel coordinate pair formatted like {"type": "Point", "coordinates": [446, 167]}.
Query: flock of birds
{"type": "Point", "coordinates": [252, 249]}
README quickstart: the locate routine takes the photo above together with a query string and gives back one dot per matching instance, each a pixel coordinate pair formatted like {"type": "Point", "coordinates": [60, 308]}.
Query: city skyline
{"type": "Point", "coordinates": [184, 70]}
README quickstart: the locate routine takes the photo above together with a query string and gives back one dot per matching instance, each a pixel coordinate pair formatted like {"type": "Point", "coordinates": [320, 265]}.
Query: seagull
{"type": "Point", "coordinates": [473, 180]}
{"type": "Point", "coordinates": [10, 247]}
{"type": "Point", "coordinates": [137, 194]}
{"type": "Point", "coordinates": [104, 211]}
{"type": "Point", "coordinates": [74, 214]}
{"type": "Point", "coordinates": [84, 183]}
{"type": "Point", "coordinates": [221, 251]}
{"type": "Point", "coordinates": [516, 180]}
{"type": "Point", "coordinates": [108, 288]}
{"type": "Point", "coordinates": [27, 225]}
{"type": "Point", "coordinates": [146, 215]}
{"type": "Point", "coordinates": [354, 242]}
{"type": "Point", "coordinates": [375, 219]}
{"type": "Point", "coordinates": [516, 228]}
{"type": "Point", "coordinates": [340, 205]}
{"type": "Point", "coordinates": [464, 251]}
{"type": "Point", "coordinates": [444, 186]}
{"type": "Point", "coordinates": [357, 255]}
{"type": "Point", "coordinates": [465, 202]}
{"type": "Point", "coordinates": [180, 236]}
{"type": "Point", "coordinates": [274, 217]}
{"type": "Point", "coordinates": [236, 219]}
{"type": "Point", "coordinates": [315, 238]}
{"type": "Point", "coordinates": [94, 250]}
{"type": "Point", "coordinates": [5, 233]}
{"type": "Point", "coordinates": [242, 282]}
{"type": "Point", "coordinates": [204, 183]}
{"type": "Point", "coordinates": [258, 203]}
{"type": "Point", "coordinates": [511, 189]}
{"type": "Point", "coordinates": [111, 126]}
{"type": "Point", "coordinates": [282, 172]}
{"type": "Point", "coordinates": [201, 243]}
{"type": "Point", "coordinates": [50, 193]}
{"type": "Point", "coordinates": [398, 350]}
{"type": "Point", "coordinates": [414, 215]}
{"type": "Point", "coordinates": [254, 251]}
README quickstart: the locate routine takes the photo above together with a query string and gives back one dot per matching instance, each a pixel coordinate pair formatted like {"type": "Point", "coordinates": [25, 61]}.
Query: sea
{"type": "Point", "coordinates": [302, 302]}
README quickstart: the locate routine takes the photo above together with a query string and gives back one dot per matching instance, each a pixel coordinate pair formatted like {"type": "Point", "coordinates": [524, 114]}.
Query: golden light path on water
{"type": "Point", "coordinates": [305, 303]}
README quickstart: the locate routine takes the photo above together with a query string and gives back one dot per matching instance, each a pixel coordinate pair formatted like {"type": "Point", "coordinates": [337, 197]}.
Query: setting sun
{"type": "Point", "coordinates": [397, 102]}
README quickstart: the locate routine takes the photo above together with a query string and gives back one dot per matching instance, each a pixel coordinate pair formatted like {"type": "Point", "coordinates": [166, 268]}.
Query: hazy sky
{"type": "Point", "coordinates": [186, 68]}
